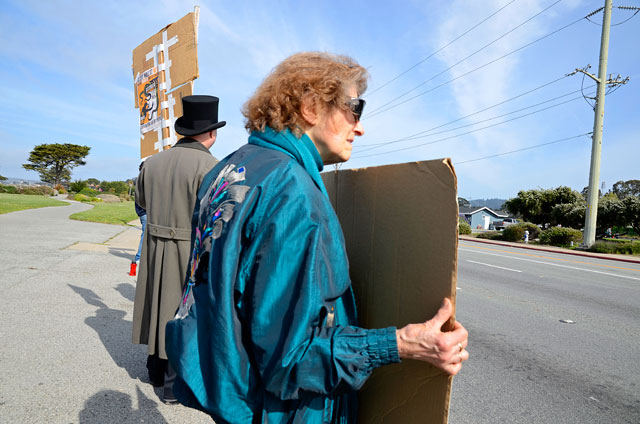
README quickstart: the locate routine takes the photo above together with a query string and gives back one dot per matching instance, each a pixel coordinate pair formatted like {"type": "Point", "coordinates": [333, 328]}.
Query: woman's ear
{"type": "Point", "coordinates": [309, 111]}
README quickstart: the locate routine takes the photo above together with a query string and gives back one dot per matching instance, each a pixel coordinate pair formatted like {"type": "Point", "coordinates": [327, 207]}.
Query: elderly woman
{"type": "Point", "coordinates": [267, 328]}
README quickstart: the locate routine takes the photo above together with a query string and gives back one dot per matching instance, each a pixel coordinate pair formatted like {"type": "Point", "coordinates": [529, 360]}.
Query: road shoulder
{"type": "Point", "coordinates": [544, 248]}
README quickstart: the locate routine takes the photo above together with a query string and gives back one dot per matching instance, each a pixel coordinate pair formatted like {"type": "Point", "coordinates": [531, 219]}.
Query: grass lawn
{"type": "Point", "coordinates": [108, 213]}
{"type": "Point", "coordinates": [18, 202]}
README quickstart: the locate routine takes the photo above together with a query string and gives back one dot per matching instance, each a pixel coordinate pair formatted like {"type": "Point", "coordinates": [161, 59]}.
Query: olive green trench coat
{"type": "Point", "coordinates": [167, 188]}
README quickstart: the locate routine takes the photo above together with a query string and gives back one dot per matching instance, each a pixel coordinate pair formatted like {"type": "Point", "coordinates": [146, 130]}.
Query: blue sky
{"type": "Point", "coordinates": [66, 78]}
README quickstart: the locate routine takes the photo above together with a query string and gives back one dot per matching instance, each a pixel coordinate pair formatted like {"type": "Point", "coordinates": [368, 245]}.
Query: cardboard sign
{"type": "Point", "coordinates": [150, 143]}
{"type": "Point", "coordinates": [162, 65]}
{"type": "Point", "coordinates": [400, 224]}
{"type": "Point", "coordinates": [177, 43]}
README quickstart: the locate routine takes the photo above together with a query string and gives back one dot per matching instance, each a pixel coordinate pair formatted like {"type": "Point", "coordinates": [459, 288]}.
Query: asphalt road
{"type": "Point", "coordinates": [553, 338]}
{"type": "Point", "coordinates": [65, 334]}
{"type": "Point", "coordinates": [65, 325]}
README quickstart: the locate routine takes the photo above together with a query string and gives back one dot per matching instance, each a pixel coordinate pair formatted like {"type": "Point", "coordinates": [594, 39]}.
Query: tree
{"type": "Point", "coordinates": [585, 192]}
{"type": "Point", "coordinates": [3, 178]}
{"type": "Point", "coordinates": [569, 214]}
{"type": "Point", "coordinates": [462, 202]}
{"type": "Point", "coordinates": [632, 212]}
{"type": "Point", "coordinates": [93, 182]}
{"type": "Point", "coordinates": [623, 189]}
{"type": "Point", "coordinates": [610, 213]}
{"type": "Point", "coordinates": [54, 161]}
{"type": "Point", "coordinates": [115, 187]}
{"type": "Point", "coordinates": [537, 205]}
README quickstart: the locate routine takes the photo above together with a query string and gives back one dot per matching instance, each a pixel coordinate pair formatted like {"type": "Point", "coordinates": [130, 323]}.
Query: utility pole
{"type": "Point", "coordinates": [589, 236]}
{"type": "Point", "coordinates": [601, 80]}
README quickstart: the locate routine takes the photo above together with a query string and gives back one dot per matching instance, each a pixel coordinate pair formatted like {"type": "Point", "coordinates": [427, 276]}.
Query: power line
{"type": "Point", "coordinates": [480, 122]}
{"type": "Point", "coordinates": [477, 112]}
{"type": "Point", "coordinates": [378, 111]}
{"type": "Point", "coordinates": [523, 149]}
{"type": "Point", "coordinates": [441, 48]}
{"type": "Point", "coordinates": [355, 156]}
{"type": "Point", "coordinates": [374, 112]}
{"type": "Point", "coordinates": [637, 9]}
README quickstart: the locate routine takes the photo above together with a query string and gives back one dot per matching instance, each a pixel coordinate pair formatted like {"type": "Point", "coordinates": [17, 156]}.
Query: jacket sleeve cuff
{"type": "Point", "coordinates": [382, 346]}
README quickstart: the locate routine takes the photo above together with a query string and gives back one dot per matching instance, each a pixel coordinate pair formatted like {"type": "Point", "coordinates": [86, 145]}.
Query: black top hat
{"type": "Point", "coordinates": [199, 115]}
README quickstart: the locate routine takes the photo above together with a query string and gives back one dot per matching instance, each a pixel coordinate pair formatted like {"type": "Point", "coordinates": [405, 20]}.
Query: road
{"type": "Point", "coordinates": [66, 355]}
{"type": "Point", "coordinates": [554, 338]}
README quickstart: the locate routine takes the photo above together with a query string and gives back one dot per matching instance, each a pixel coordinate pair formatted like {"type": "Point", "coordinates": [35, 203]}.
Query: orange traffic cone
{"type": "Point", "coordinates": [132, 270]}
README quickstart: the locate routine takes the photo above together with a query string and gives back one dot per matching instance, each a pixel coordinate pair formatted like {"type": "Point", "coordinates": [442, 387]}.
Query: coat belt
{"type": "Point", "coordinates": [170, 233]}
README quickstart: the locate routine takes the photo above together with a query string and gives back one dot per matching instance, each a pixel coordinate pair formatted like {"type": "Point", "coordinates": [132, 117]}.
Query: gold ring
{"type": "Point", "coordinates": [460, 346]}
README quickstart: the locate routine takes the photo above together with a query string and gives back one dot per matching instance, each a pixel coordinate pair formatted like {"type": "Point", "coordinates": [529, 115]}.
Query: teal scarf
{"type": "Point", "coordinates": [301, 149]}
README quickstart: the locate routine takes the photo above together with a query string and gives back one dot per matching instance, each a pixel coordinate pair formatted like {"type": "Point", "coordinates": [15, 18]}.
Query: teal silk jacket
{"type": "Point", "coordinates": [267, 327]}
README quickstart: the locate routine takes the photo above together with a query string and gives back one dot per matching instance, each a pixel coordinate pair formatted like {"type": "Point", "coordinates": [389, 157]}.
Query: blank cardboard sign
{"type": "Point", "coordinates": [400, 225]}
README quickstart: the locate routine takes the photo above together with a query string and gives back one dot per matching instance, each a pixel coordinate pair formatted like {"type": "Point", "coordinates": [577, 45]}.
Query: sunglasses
{"type": "Point", "coordinates": [356, 105]}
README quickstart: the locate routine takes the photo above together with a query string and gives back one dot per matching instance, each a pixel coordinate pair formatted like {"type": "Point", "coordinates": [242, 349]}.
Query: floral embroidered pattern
{"type": "Point", "coordinates": [216, 209]}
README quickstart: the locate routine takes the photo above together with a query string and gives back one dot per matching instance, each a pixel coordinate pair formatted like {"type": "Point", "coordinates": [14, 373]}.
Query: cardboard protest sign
{"type": "Point", "coordinates": [400, 227]}
{"type": "Point", "coordinates": [163, 66]}
{"type": "Point", "coordinates": [149, 141]}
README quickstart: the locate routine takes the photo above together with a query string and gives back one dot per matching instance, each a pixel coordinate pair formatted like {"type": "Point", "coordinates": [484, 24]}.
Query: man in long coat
{"type": "Point", "coordinates": [167, 188]}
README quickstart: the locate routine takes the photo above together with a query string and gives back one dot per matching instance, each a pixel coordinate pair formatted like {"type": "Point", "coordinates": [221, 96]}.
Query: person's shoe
{"type": "Point", "coordinates": [132, 270]}
{"type": "Point", "coordinates": [169, 401]}
{"type": "Point", "coordinates": [168, 398]}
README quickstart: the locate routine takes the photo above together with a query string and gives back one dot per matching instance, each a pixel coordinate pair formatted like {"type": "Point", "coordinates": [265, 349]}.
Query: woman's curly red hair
{"type": "Point", "coordinates": [320, 78]}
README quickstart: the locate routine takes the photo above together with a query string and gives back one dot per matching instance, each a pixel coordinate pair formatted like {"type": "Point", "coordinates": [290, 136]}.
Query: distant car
{"type": "Point", "coordinates": [501, 225]}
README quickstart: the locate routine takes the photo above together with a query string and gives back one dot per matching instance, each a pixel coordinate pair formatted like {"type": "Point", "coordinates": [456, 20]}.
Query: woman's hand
{"type": "Point", "coordinates": [426, 341]}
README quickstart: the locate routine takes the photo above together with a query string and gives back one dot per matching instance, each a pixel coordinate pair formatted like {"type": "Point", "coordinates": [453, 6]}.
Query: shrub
{"type": "Point", "coordinates": [632, 248]}
{"type": "Point", "coordinates": [490, 235]}
{"type": "Point", "coordinates": [8, 189]}
{"type": "Point", "coordinates": [81, 198]}
{"type": "Point", "coordinates": [463, 227]}
{"type": "Point", "coordinates": [77, 185]}
{"type": "Point", "coordinates": [89, 192]}
{"type": "Point", "coordinates": [603, 247]}
{"type": "Point", "coordinates": [516, 232]}
{"type": "Point", "coordinates": [115, 187]}
{"type": "Point", "coordinates": [60, 189]}
{"type": "Point", "coordinates": [109, 198]}
{"type": "Point", "coordinates": [513, 233]}
{"type": "Point", "coordinates": [95, 199]}
{"type": "Point", "coordinates": [560, 236]}
{"type": "Point", "coordinates": [534, 230]}
{"type": "Point", "coordinates": [36, 190]}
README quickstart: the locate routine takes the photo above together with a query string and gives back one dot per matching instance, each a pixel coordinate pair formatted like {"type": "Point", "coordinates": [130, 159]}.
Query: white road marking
{"type": "Point", "coordinates": [548, 263]}
{"type": "Point", "coordinates": [493, 266]}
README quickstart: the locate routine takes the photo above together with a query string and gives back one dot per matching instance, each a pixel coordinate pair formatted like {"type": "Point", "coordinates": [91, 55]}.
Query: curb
{"type": "Point", "coordinates": [563, 251]}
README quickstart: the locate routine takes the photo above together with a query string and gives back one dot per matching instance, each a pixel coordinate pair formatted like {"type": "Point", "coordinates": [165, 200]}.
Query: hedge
{"type": "Point", "coordinates": [629, 248]}
{"type": "Point", "coordinates": [560, 236]}
{"type": "Point", "coordinates": [490, 235]}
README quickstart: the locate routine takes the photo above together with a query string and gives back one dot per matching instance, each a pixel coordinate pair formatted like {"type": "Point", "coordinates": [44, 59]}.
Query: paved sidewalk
{"type": "Point", "coordinates": [543, 248]}
{"type": "Point", "coordinates": [65, 340]}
